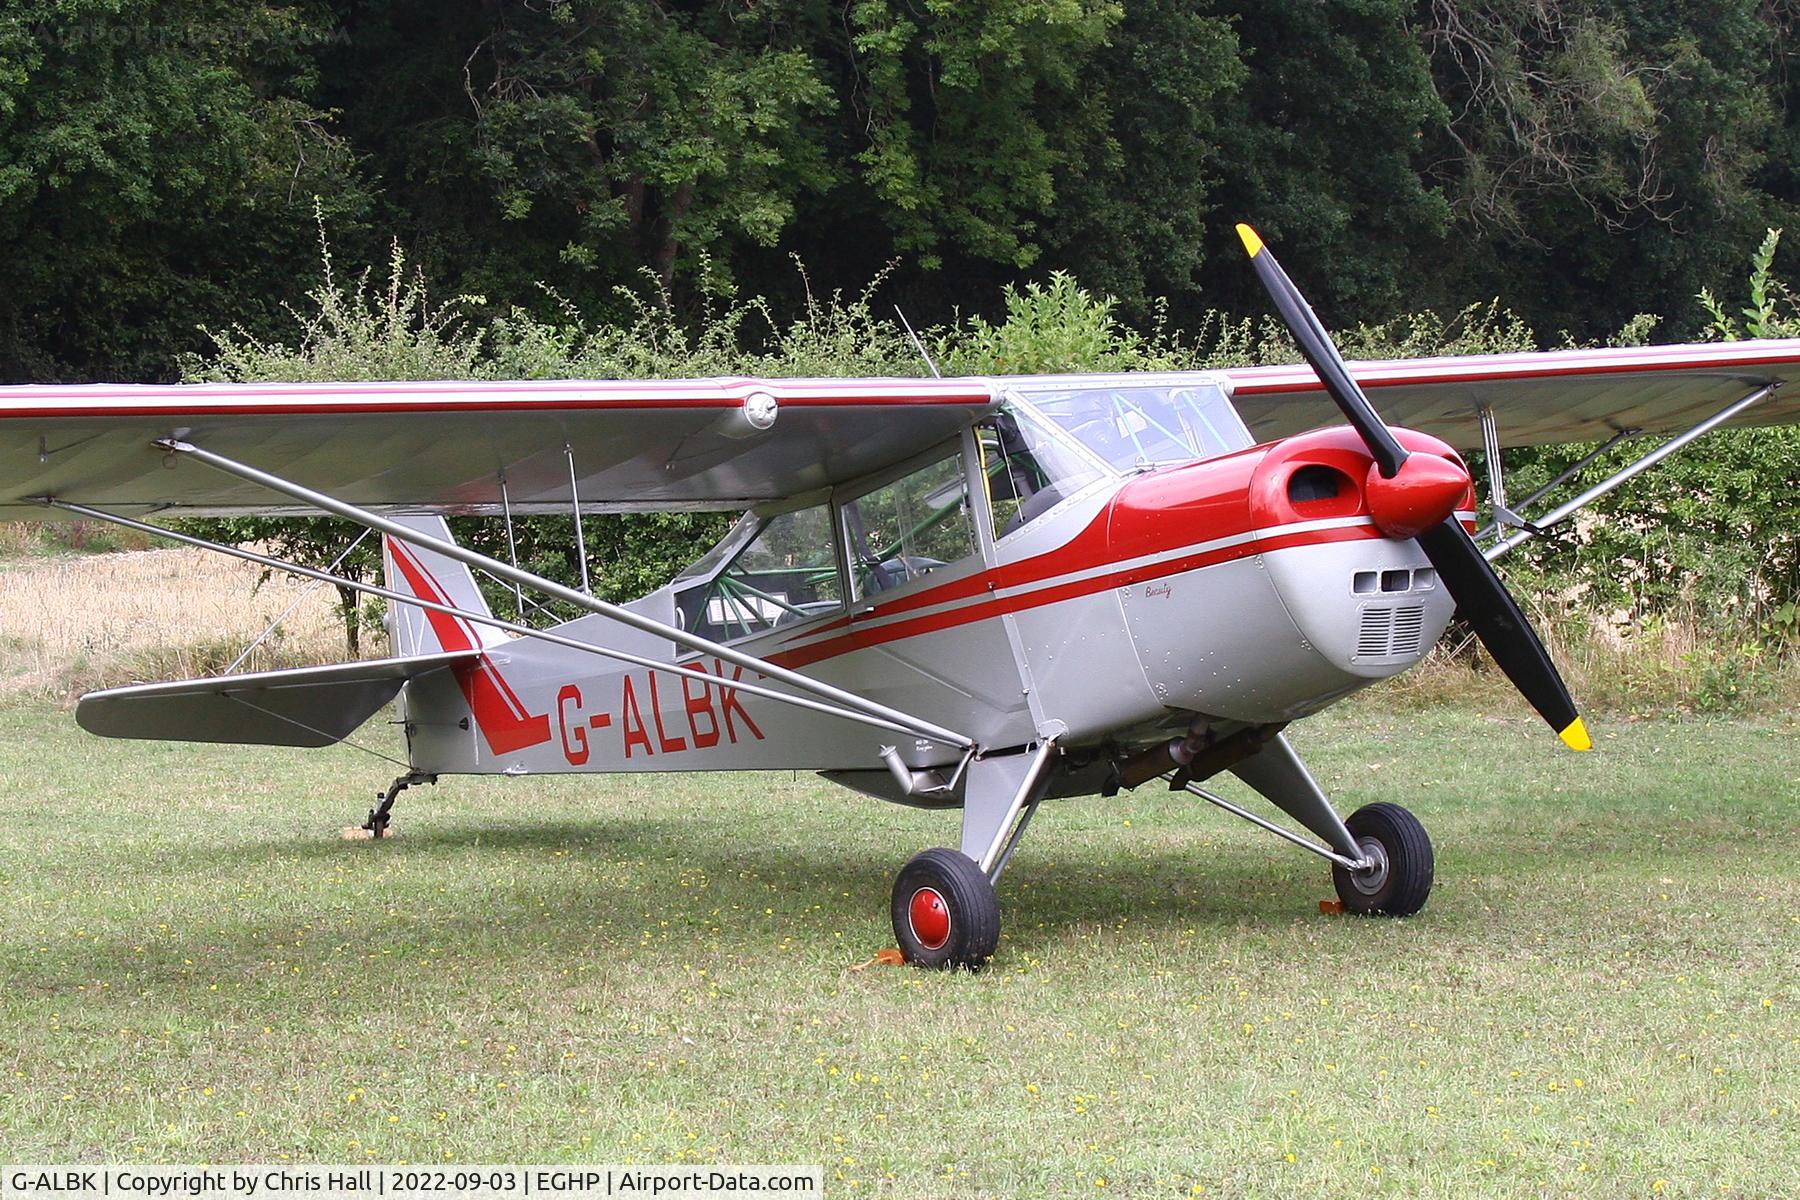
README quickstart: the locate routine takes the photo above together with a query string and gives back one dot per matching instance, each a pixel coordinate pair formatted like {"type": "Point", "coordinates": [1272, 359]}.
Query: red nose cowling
{"type": "Point", "coordinates": [1420, 495]}
{"type": "Point", "coordinates": [1327, 474]}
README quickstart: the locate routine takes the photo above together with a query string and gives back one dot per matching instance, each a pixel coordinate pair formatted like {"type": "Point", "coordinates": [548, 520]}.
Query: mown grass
{"type": "Point", "coordinates": [1599, 1000]}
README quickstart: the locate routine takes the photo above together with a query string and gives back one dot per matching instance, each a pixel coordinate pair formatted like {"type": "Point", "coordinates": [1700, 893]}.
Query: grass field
{"type": "Point", "coordinates": [1599, 1000]}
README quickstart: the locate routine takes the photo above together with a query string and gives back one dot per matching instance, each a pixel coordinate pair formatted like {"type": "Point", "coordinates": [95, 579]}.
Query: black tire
{"type": "Point", "coordinates": [1401, 883]}
{"type": "Point", "coordinates": [970, 912]}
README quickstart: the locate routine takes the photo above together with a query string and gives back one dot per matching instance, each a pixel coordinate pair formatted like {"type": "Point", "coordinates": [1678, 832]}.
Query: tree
{"type": "Point", "coordinates": [1603, 157]}
{"type": "Point", "coordinates": [573, 142]}
{"type": "Point", "coordinates": [1135, 209]}
{"type": "Point", "coordinates": [157, 161]}
{"type": "Point", "coordinates": [1321, 150]}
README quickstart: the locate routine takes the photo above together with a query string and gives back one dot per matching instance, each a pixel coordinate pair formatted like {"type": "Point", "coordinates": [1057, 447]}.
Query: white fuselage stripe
{"type": "Point", "coordinates": [878, 620]}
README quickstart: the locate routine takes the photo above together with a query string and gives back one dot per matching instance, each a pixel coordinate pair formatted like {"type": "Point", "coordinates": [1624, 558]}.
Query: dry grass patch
{"type": "Point", "coordinates": [71, 624]}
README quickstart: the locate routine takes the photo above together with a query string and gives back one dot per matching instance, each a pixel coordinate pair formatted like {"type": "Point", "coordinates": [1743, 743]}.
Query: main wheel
{"type": "Point", "coordinates": [1400, 878]}
{"type": "Point", "coordinates": [945, 911]}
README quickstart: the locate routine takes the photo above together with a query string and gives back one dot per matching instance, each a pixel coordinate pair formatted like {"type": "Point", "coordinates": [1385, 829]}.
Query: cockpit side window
{"type": "Point", "coordinates": [788, 572]}
{"type": "Point", "coordinates": [1028, 471]}
{"type": "Point", "coordinates": [909, 528]}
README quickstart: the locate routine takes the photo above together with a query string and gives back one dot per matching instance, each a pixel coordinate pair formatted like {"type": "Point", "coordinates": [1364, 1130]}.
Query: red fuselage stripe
{"type": "Point", "coordinates": [498, 712]}
{"type": "Point", "coordinates": [858, 639]}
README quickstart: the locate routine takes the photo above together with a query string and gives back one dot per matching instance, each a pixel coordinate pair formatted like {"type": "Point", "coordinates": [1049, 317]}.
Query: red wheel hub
{"type": "Point", "coordinates": [930, 918]}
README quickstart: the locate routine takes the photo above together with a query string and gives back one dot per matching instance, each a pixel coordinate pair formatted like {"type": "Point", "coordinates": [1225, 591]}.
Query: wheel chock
{"type": "Point", "coordinates": [1331, 908]}
{"type": "Point", "coordinates": [889, 957]}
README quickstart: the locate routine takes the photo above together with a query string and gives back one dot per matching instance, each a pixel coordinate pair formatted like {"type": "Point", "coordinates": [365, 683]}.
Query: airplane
{"type": "Point", "coordinates": [969, 594]}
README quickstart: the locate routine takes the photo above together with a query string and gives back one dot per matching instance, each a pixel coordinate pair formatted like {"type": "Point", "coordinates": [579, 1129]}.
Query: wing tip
{"type": "Point", "coordinates": [1575, 735]}
{"type": "Point", "coordinates": [1252, 242]}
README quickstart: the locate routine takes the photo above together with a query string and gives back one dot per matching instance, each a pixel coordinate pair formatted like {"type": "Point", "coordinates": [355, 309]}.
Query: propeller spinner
{"type": "Point", "coordinates": [1406, 495]}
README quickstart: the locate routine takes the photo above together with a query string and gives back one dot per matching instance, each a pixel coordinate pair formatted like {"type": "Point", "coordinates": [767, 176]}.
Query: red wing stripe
{"type": "Point", "coordinates": [104, 400]}
{"type": "Point", "coordinates": [1500, 368]}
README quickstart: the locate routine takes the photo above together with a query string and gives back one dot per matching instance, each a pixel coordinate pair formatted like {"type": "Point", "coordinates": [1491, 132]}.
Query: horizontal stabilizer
{"type": "Point", "coordinates": [310, 706]}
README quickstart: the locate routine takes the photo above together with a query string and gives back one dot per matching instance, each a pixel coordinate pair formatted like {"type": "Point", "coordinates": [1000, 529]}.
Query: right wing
{"type": "Point", "coordinates": [1538, 398]}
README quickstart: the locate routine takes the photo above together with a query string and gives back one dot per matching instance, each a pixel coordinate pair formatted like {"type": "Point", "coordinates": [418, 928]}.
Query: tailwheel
{"type": "Point", "coordinates": [1399, 876]}
{"type": "Point", "coordinates": [945, 911]}
{"type": "Point", "coordinates": [381, 816]}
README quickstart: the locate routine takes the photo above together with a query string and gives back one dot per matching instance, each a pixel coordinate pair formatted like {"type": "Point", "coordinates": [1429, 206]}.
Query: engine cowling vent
{"type": "Point", "coordinates": [1390, 630]}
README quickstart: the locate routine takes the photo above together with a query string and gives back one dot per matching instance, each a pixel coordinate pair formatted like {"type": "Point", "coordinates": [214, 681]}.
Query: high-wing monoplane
{"type": "Point", "coordinates": [972, 594]}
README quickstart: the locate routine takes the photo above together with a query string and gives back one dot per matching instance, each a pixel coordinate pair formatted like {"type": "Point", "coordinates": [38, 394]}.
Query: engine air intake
{"type": "Point", "coordinates": [1390, 630]}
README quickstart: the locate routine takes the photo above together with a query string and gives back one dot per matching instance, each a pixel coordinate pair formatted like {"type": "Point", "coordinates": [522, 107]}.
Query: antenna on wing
{"type": "Point", "coordinates": [917, 344]}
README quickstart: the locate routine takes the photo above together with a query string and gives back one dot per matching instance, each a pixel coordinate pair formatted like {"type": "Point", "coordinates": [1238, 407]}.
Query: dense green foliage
{"type": "Point", "coordinates": [1581, 160]}
{"type": "Point", "coordinates": [156, 162]}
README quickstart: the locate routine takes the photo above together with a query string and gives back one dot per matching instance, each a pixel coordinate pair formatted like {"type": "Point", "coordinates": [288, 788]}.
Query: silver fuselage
{"type": "Point", "coordinates": [1163, 598]}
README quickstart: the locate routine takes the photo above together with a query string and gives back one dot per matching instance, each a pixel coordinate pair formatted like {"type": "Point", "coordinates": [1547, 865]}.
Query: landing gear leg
{"type": "Point", "coordinates": [379, 816]}
{"type": "Point", "coordinates": [944, 907]}
{"type": "Point", "coordinates": [1380, 858]}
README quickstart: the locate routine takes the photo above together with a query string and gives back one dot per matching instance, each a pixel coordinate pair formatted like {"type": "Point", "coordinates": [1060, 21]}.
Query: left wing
{"type": "Point", "coordinates": [1555, 396]}
{"type": "Point", "coordinates": [444, 446]}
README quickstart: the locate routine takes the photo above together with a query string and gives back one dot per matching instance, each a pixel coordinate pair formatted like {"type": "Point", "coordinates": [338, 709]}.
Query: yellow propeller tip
{"type": "Point", "coordinates": [1252, 242]}
{"type": "Point", "coordinates": [1576, 736]}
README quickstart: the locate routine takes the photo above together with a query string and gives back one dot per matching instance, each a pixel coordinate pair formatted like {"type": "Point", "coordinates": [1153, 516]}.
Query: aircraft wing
{"type": "Point", "coordinates": [308, 706]}
{"type": "Point", "coordinates": [724, 444]}
{"type": "Point", "coordinates": [1557, 396]}
{"type": "Point", "coordinates": [656, 445]}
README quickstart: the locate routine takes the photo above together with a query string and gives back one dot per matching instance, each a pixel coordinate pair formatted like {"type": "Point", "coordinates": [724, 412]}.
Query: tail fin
{"type": "Point", "coordinates": [432, 576]}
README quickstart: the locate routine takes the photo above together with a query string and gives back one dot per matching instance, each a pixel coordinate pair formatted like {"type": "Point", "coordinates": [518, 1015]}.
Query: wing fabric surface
{"type": "Point", "coordinates": [1559, 396]}
{"type": "Point", "coordinates": [692, 444]}
{"type": "Point", "coordinates": [311, 706]}
{"type": "Point", "coordinates": [445, 446]}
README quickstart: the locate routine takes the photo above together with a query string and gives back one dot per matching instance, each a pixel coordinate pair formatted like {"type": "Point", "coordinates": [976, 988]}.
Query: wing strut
{"type": "Point", "coordinates": [575, 505]}
{"type": "Point", "coordinates": [1624, 474]}
{"type": "Point", "coordinates": [550, 587]}
{"type": "Point", "coordinates": [512, 543]}
{"type": "Point", "coordinates": [1492, 529]}
{"type": "Point", "coordinates": [542, 635]}
{"type": "Point", "coordinates": [1490, 453]}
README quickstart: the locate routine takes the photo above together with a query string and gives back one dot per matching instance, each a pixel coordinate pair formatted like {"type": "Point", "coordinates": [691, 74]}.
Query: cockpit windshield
{"type": "Point", "coordinates": [1132, 427]}
{"type": "Point", "coordinates": [1029, 469]}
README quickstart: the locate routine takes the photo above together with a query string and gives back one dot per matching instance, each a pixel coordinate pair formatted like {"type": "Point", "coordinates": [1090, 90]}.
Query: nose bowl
{"type": "Point", "coordinates": [1267, 590]}
{"type": "Point", "coordinates": [1366, 600]}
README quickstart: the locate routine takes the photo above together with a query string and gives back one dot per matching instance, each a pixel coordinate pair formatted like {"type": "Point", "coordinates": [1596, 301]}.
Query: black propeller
{"type": "Point", "coordinates": [1483, 599]}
